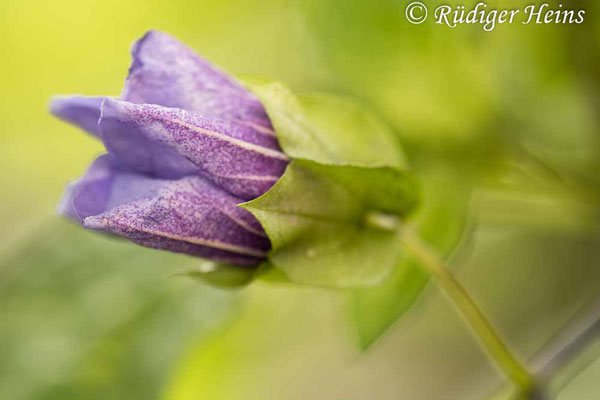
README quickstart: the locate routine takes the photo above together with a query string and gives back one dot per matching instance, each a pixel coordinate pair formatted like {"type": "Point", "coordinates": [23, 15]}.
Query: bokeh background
{"type": "Point", "coordinates": [510, 119]}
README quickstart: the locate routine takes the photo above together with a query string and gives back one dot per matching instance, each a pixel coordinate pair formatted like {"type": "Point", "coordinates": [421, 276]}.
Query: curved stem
{"type": "Point", "coordinates": [514, 369]}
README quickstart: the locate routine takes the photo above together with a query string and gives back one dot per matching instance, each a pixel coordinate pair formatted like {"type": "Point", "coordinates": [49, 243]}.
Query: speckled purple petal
{"type": "Point", "coordinates": [171, 143]}
{"type": "Point", "coordinates": [168, 73]}
{"type": "Point", "coordinates": [187, 215]}
{"type": "Point", "coordinates": [81, 111]}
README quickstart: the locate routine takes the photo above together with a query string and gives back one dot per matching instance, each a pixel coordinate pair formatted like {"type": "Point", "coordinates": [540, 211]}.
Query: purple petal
{"type": "Point", "coordinates": [89, 195]}
{"type": "Point", "coordinates": [171, 143]}
{"type": "Point", "coordinates": [188, 215]}
{"type": "Point", "coordinates": [168, 73]}
{"type": "Point", "coordinates": [81, 111]}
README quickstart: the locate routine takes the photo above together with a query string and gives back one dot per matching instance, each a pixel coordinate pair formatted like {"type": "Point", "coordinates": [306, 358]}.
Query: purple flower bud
{"type": "Point", "coordinates": [172, 143]}
{"type": "Point", "coordinates": [186, 143]}
{"type": "Point", "coordinates": [167, 72]}
{"type": "Point", "coordinates": [187, 215]}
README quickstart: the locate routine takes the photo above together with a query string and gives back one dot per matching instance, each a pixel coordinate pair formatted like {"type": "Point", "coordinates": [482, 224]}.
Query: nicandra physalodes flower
{"type": "Point", "coordinates": [186, 143]}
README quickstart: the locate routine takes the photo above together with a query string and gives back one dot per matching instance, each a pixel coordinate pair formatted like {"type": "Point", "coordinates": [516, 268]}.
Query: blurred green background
{"type": "Point", "coordinates": [509, 119]}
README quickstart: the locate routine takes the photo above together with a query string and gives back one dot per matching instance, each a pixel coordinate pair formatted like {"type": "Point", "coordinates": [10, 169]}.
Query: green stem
{"type": "Point", "coordinates": [491, 340]}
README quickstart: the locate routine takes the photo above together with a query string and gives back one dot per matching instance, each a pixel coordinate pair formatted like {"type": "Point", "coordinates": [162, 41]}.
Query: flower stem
{"type": "Point", "coordinates": [489, 337]}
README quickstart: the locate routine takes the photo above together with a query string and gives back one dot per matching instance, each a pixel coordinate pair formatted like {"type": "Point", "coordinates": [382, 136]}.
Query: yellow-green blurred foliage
{"type": "Point", "coordinates": [512, 113]}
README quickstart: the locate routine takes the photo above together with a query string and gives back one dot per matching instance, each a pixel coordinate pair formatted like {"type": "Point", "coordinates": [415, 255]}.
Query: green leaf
{"type": "Point", "coordinates": [318, 218]}
{"type": "Point", "coordinates": [441, 222]}
{"type": "Point", "coordinates": [328, 129]}
{"type": "Point", "coordinates": [317, 215]}
{"type": "Point", "coordinates": [268, 273]}
{"type": "Point", "coordinates": [227, 276]}
{"type": "Point", "coordinates": [224, 276]}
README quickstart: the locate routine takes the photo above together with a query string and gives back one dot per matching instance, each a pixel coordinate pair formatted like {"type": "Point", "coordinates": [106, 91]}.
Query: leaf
{"type": "Point", "coordinates": [441, 222]}
{"type": "Point", "coordinates": [268, 273]}
{"type": "Point", "coordinates": [328, 129]}
{"type": "Point", "coordinates": [224, 276]}
{"type": "Point", "coordinates": [317, 217]}
{"type": "Point", "coordinates": [316, 214]}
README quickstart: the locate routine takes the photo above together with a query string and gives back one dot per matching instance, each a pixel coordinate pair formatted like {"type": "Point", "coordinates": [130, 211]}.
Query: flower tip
{"type": "Point", "coordinates": [93, 222]}
{"type": "Point", "coordinates": [82, 111]}
{"type": "Point", "coordinates": [57, 105]}
{"type": "Point", "coordinates": [137, 45]}
{"type": "Point", "coordinates": [151, 32]}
